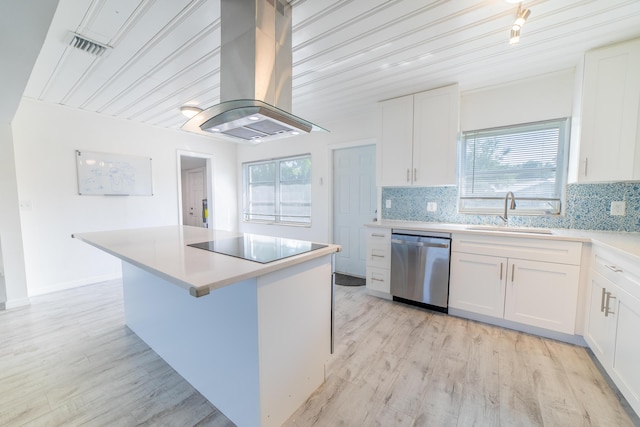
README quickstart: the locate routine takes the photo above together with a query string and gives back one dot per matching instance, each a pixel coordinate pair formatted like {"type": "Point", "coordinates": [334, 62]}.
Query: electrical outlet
{"type": "Point", "coordinates": [387, 203]}
{"type": "Point", "coordinates": [618, 208]}
{"type": "Point", "coordinates": [25, 205]}
{"type": "Point", "coordinates": [432, 206]}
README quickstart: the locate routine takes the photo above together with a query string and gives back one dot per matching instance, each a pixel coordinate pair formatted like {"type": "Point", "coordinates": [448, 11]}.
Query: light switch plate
{"type": "Point", "coordinates": [387, 203]}
{"type": "Point", "coordinates": [432, 206]}
{"type": "Point", "coordinates": [618, 208]}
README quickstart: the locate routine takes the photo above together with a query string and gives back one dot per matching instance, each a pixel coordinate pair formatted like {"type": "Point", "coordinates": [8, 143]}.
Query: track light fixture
{"type": "Point", "coordinates": [521, 18]}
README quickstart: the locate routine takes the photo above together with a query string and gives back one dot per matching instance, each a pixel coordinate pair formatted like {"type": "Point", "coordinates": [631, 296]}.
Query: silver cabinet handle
{"type": "Point", "coordinates": [377, 235]}
{"type": "Point", "coordinates": [513, 271]}
{"type": "Point", "coordinates": [604, 294]}
{"type": "Point", "coordinates": [608, 311]}
{"type": "Point", "coordinates": [613, 268]}
{"type": "Point", "coordinates": [501, 271]}
{"type": "Point", "coordinates": [408, 174]}
{"type": "Point", "coordinates": [415, 174]}
{"type": "Point", "coordinates": [377, 256]}
{"type": "Point", "coordinates": [377, 280]}
{"type": "Point", "coordinates": [586, 163]}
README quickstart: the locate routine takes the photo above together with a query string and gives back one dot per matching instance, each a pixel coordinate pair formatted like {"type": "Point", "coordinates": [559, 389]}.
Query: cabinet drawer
{"type": "Point", "coordinates": [382, 235]}
{"type": "Point", "coordinates": [556, 251]}
{"type": "Point", "coordinates": [379, 247]}
{"type": "Point", "coordinates": [619, 268]}
{"type": "Point", "coordinates": [378, 256]}
{"type": "Point", "coordinates": [378, 279]}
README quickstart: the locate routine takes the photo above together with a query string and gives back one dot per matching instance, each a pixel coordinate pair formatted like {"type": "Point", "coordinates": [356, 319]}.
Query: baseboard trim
{"type": "Point", "coordinates": [73, 284]}
{"type": "Point", "coordinates": [14, 303]}
{"type": "Point", "coordinates": [533, 330]}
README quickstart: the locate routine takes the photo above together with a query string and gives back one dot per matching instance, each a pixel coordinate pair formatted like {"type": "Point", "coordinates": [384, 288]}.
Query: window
{"type": "Point", "coordinates": [528, 159]}
{"type": "Point", "coordinates": [278, 191]}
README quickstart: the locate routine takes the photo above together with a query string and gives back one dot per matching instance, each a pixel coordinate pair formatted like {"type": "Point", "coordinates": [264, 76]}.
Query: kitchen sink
{"type": "Point", "coordinates": [505, 229]}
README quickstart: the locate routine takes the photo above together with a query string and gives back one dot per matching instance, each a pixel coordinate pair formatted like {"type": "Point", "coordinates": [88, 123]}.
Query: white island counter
{"type": "Point", "coordinates": [253, 338]}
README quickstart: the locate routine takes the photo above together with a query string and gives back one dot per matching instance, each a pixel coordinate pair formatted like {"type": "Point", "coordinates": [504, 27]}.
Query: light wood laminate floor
{"type": "Point", "coordinates": [68, 359]}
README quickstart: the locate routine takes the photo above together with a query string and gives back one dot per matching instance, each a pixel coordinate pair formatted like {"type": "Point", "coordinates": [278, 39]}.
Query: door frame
{"type": "Point", "coordinates": [339, 146]}
{"type": "Point", "coordinates": [208, 179]}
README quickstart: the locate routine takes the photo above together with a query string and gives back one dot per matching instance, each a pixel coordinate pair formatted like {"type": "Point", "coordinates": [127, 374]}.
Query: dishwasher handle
{"type": "Point", "coordinates": [420, 244]}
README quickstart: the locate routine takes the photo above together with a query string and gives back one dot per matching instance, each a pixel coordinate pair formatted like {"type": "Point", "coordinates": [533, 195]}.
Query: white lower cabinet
{"type": "Point", "coordinates": [542, 294]}
{"type": "Point", "coordinates": [529, 289]}
{"type": "Point", "coordinates": [466, 292]}
{"type": "Point", "coordinates": [379, 260]}
{"type": "Point", "coordinates": [613, 320]}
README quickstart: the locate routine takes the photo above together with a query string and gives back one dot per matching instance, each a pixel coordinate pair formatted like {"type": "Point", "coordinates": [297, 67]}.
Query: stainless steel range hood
{"type": "Point", "coordinates": [255, 75]}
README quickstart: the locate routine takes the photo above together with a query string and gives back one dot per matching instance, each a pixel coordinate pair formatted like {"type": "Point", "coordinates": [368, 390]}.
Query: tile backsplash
{"type": "Point", "coordinates": [587, 207]}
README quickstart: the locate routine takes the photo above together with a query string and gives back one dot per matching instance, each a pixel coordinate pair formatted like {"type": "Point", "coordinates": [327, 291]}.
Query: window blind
{"type": "Point", "coordinates": [528, 160]}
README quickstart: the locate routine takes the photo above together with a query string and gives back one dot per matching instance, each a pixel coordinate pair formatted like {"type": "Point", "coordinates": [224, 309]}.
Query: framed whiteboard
{"type": "Point", "coordinates": [108, 174]}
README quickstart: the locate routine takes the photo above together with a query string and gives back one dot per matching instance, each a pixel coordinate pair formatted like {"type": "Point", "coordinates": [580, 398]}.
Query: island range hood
{"type": "Point", "coordinates": [255, 75]}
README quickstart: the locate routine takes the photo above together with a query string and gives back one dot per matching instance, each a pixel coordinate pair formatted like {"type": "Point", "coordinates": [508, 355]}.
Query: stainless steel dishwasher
{"type": "Point", "coordinates": [420, 268]}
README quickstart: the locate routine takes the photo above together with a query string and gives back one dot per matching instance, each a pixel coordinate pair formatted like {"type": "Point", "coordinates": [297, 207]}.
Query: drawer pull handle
{"type": "Point", "coordinates": [501, 271]}
{"type": "Point", "coordinates": [408, 175]}
{"type": "Point", "coordinates": [613, 268]}
{"type": "Point", "coordinates": [377, 280]}
{"type": "Point", "coordinates": [377, 235]}
{"type": "Point", "coordinates": [604, 295]}
{"type": "Point", "coordinates": [377, 256]}
{"type": "Point", "coordinates": [607, 311]}
{"type": "Point", "coordinates": [513, 271]}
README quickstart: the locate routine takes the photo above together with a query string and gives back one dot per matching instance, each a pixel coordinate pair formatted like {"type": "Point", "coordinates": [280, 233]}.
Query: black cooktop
{"type": "Point", "coordinates": [262, 249]}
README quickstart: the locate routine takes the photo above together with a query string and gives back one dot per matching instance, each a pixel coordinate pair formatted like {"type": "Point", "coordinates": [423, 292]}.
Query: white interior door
{"type": "Point", "coordinates": [196, 193]}
{"type": "Point", "coordinates": [354, 204]}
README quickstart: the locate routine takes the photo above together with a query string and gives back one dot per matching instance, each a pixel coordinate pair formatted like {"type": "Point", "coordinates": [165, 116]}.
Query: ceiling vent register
{"type": "Point", "coordinates": [84, 44]}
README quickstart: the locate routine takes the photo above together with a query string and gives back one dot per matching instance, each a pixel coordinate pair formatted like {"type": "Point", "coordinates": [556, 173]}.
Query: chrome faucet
{"type": "Point", "coordinates": [512, 206]}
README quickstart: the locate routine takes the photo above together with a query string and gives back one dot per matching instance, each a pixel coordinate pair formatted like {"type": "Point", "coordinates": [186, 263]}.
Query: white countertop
{"type": "Point", "coordinates": [628, 243]}
{"type": "Point", "coordinates": [163, 251]}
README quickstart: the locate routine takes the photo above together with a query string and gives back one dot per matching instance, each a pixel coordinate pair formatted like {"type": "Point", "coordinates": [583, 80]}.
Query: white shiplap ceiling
{"type": "Point", "coordinates": [347, 54]}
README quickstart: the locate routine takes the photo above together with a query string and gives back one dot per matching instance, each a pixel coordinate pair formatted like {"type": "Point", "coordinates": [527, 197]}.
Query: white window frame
{"type": "Point", "coordinates": [469, 203]}
{"type": "Point", "coordinates": [277, 216]}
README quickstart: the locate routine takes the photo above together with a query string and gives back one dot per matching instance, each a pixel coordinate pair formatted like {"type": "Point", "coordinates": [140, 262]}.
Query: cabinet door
{"type": "Point", "coordinates": [476, 283]}
{"type": "Point", "coordinates": [609, 136]}
{"type": "Point", "coordinates": [396, 141]}
{"type": "Point", "coordinates": [435, 129]}
{"type": "Point", "coordinates": [542, 294]}
{"type": "Point", "coordinates": [600, 327]}
{"type": "Point", "coordinates": [627, 347]}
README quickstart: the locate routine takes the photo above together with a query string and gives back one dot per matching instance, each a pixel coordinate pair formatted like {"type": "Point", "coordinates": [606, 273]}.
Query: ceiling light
{"type": "Point", "coordinates": [514, 36]}
{"type": "Point", "coordinates": [190, 110]}
{"type": "Point", "coordinates": [523, 14]}
{"type": "Point", "coordinates": [521, 18]}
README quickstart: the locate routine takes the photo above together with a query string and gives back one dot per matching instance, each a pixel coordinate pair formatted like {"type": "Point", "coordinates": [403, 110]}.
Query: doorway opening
{"type": "Point", "coordinates": [195, 189]}
{"type": "Point", "coordinates": [354, 205]}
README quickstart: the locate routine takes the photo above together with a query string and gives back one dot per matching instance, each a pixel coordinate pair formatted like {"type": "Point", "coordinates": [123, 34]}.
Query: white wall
{"type": "Point", "coordinates": [360, 129]}
{"type": "Point", "coordinates": [45, 140]}
{"type": "Point", "coordinates": [549, 96]}
{"type": "Point", "coordinates": [13, 289]}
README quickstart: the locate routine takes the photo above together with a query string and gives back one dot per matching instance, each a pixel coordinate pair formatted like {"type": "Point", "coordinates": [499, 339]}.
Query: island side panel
{"type": "Point", "coordinates": [294, 307]}
{"type": "Point", "coordinates": [211, 341]}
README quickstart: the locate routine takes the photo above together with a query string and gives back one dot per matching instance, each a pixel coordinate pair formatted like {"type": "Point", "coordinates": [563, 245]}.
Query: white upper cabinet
{"type": "Point", "coordinates": [418, 140]}
{"type": "Point", "coordinates": [396, 141]}
{"type": "Point", "coordinates": [610, 135]}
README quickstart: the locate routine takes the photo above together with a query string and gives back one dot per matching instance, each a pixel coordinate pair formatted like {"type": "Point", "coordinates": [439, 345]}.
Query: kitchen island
{"type": "Point", "coordinates": [252, 337]}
